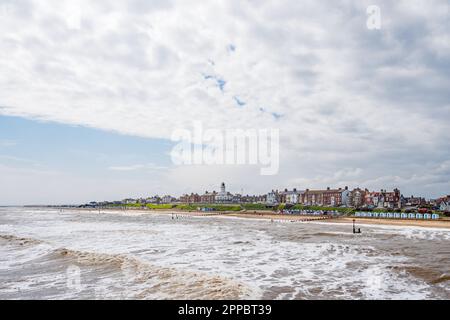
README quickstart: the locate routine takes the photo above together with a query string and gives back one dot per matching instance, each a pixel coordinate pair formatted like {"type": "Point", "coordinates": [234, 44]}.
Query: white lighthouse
{"type": "Point", "coordinates": [223, 196]}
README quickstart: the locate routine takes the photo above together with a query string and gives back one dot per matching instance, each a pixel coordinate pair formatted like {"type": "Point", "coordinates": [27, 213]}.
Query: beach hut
{"type": "Point", "coordinates": [419, 216]}
{"type": "Point", "coordinates": [376, 214]}
{"type": "Point", "coordinates": [383, 215]}
{"type": "Point", "coordinates": [369, 214]}
{"type": "Point", "coordinates": [404, 216]}
{"type": "Point", "coordinates": [412, 216]}
{"type": "Point", "coordinates": [390, 215]}
{"type": "Point", "coordinates": [434, 216]}
{"type": "Point", "coordinates": [397, 215]}
{"type": "Point", "coordinates": [427, 216]}
{"type": "Point", "coordinates": [363, 214]}
{"type": "Point", "coordinates": [357, 214]}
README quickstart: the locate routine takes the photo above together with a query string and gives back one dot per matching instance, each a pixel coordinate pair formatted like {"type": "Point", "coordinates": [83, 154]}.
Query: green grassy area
{"type": "Point", "coordinates": [338, 209]}
{"type": "Point", "coordinates": [139, 205]}
{"type": "Point", "coordinates": [160, 206]}
{"type": "Point", "coordinates": [129, 205]}
{"type": "Point", "coordinates": [256, 206]}
{"type": "Point", "coordinates": [217, 207]}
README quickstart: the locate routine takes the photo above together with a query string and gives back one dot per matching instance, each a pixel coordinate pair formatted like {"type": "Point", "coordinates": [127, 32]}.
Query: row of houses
{"type": "Point", "coordinates": [223, 196]}
{"type": "Point", "coordinates": [150, 200]}
{"type": "Point", "coordinates": [337, 197]}
{"type": "Point", "coordinates": [329, 197]}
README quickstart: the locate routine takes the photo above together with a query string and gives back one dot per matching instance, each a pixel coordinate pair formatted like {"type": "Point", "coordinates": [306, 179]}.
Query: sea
{"type": "Point", "coordinates": [79, 254]}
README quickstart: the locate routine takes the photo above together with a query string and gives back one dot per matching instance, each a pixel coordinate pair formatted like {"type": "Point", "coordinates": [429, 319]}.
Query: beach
{"type": "Point", "coordinates": [251, 214]}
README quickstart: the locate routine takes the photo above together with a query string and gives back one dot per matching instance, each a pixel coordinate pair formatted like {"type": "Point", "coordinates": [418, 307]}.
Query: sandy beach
{"type": "Point", "coordinates": [441, 223]}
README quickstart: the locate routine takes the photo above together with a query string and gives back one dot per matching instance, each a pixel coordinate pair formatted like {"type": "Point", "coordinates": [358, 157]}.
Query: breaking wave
{"type": "Point", "coordinates": [141, 279]}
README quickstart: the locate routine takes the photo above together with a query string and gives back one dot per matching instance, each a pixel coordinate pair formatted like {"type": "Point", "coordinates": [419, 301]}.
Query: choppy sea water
{"type": "Point", "coordinates": [49, 254]}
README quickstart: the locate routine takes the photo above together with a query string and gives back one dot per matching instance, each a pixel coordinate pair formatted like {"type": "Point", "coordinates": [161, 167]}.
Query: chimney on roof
{"type": "Point", "coordinates": [295, 189]}
{"type": "Point", "coordinates": [307, 190]}
{"type": "Point", "coordinates": [328, 188]}
{"type": "Point", "coordinates": [346, 187]}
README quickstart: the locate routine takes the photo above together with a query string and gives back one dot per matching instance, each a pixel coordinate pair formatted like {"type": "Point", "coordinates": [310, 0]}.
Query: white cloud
{"type": "Point", "coordinates": [345, 98]}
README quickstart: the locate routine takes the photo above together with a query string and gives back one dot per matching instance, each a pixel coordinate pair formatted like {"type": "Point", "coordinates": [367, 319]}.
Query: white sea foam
{"type": "Point", "coordinates": [270, 260]}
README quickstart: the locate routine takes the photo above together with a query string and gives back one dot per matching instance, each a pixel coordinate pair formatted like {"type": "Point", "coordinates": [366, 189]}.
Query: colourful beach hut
{"type": "Point", "coordinates": [383, 215]}
{"type": "Point", "coordinates": [434, 216]}
{"type": "Point", "coordinates": [404, 216]}
{"type": "Point", "coordinates": [376, 214]}
{"type": "Point", "coordinates": [412, 216]}
{"type": "Point", "coordinates": [390, 215]}
{"type": "Point", "coordinates": [368, 214]}
{"type": "Point", "coordinates": [397, 215]}
{"type": "Point", "coordinates": [357, 214]}
{"type": "Point", "coordinates": [419, 216]}
{"type": "Point", "coordinates": [427, 216]}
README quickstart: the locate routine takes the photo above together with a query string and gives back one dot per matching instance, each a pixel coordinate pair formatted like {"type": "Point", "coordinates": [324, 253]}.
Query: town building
{"type": "Point", "coordinates": [445, 206]}
{"type": "Point", "coordinates": [167, 199]}
{"type": "Point", "coordinates": [223, 196]}
{"type": "Point", "coordinates": [151, 200]}
{"type": "Point", "coordinates": [356, 197]}
{"type": "Point", "coordinates": [273, 198]}
{"type": "Point", "coordinates": [129, 201]}
{"type": "Point", "coordinates": [254, 199]}
{"type": "Point", "coordinates": [192, 198]}
{"type": "Point", "coordinates": [328, 197]}
{"type": "Point", "coordinates": [291, 197]}
{"type": "Point", "coordinates": [383, 199]}
{"type": "Point", "coordinates": [208, 197]}
{"type": "Point", "coordinates": [237, 198]}
{"type": "Point", "coordinates": [413, 201]}
{"type": "Point", "coordinates": [444, 203]}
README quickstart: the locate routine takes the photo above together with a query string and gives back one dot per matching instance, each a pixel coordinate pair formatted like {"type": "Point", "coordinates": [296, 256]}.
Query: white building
{"type": "Point", "coordinates": [272, 197]}
{"type": "Point", "coordinates": [223, 196]}
{"type": "Point", "coordinates": [292, 197]}
{"type": "Point", "coordinates": [167, 199]}
{"type": "Point", "coordinates": [445, 206]}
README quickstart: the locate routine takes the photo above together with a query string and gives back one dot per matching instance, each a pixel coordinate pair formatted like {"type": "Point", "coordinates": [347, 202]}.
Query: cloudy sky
{"type": "Point", "coordinates": [90, 95]}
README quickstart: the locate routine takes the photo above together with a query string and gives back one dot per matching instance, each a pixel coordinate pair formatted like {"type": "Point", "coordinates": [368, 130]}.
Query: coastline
{"type": "Point", "coordinates": [445, 224]}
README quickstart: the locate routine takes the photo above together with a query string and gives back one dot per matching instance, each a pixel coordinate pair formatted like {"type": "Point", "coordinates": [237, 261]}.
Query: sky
{"type": "Point", "coordinates": [91, 93]}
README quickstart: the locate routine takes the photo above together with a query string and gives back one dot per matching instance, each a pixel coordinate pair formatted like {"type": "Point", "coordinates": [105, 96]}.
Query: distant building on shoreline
{"type": "Point", "coordinates": [291, 197]}
{"type": "Point", "coordinates": [444, 203]}
{"type": "Point", "coordinates": [223, 196]}
{"type": "Point", "coordinates": [383, 199]}
{"type": "Point", "coordinates": [340, 197]}
{"type": "Point", "coordinates": [329, 197]}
